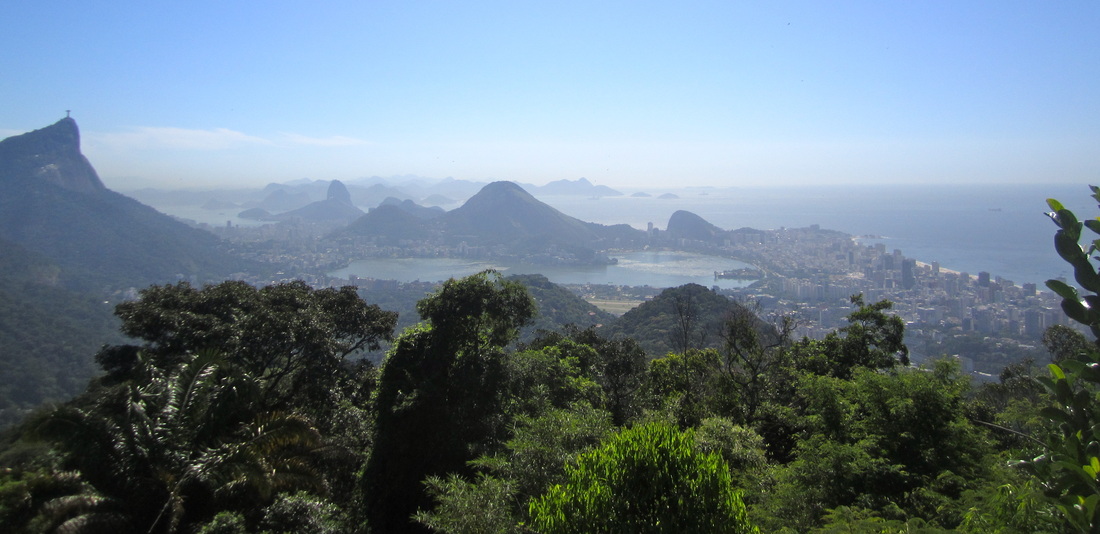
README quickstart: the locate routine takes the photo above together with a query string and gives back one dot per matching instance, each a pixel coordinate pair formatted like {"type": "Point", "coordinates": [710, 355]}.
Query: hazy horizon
{"type": "Point", "coordinates": [1048, 188]}
{"type": "Point", "coordinates": [629, 95]}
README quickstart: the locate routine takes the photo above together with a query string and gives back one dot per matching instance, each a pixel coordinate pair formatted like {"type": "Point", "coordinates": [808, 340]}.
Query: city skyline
{"type": "Point", "coordinates": [629, 95]}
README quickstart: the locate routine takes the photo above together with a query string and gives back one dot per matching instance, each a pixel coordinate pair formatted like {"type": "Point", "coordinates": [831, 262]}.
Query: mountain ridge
{"type": "Point", "coordinates": [51, 154]}
{"type": "Point", "coordinates": [55, 205]}
{"type": "Point", "coordinates": [501, 213]}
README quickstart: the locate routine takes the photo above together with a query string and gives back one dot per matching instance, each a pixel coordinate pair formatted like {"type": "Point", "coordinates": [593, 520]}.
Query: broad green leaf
{"type": "Point", "coordinates": [1090, 503]}
{"type": "Point", "coordinates": [1086, 275]}
{"type": "Point", "coordinates": [1056, 371]}
{"type": "Point", "coordinates": [1069, 223]}
{"type": "Point", "coordinates": [1062, 289]}
{"type": "Point", "coordinates": [1055, 205]}
{"type": "Point", "coordinates": [1067, 247]}
{"type": "Point", "coordinates": [1075, 310]}
{"type": "Point", "coordinates": [1053, 413]}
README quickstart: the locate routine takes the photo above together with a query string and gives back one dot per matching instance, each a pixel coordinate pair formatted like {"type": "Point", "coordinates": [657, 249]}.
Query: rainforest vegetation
{"type": "Point", "coordinates": [236, 409]}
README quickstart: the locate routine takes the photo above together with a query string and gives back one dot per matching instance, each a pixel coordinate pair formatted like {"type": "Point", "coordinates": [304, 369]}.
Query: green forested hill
{"type": "Point", "coordinates": [48, 334]}
{"type": "Point", "coordinates": [558, 307]}
{"type": "Point", "coordinates": [689, 316]}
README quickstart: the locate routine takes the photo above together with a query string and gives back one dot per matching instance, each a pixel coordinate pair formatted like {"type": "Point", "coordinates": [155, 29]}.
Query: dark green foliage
{"type": "Point", "coordinates": [617, 365]}
{"type": "Point", "coordinates": [290, 337]}
{"type": "Point", "coordinates": [439, 394]}
{"type": "Point", "coordinates": [555, 376]}
{"type": "Point", "coordinates": [873, 339]}
{"type": "Point", "coordinates": [897, 442]}
{"type": "Point", "coordinates": [533, 460]}
{"type": "Point", "coordinates": [686, 385]}
{"type": "Point", "coordinates": [301, 513]}
{"type": "Point", "coordinates": [171, 447]}
{"type": "Point", "coordinates": [754, 364]}
{"type": "Point", "coordinates": [541, 447]}
{"type": "Point", "coordinates": [646, 479]}
{"type": "Point", "coordinates": [477, 312]}
{"type": "Point", "coordinates": [225, 523]}
{"type": "Point", "coordinates": [39, 501]}
{"type": "Point", "coordinates": [741, 448]}
{"type": "Point", "coordinates": [1069, 468]}
{"type": "Point", "coordinates": [1011, 405]}
{"type": "Point", "coordinates": [1063, 342]}
{"type": "Point", "coordinates": [550, 392]}
{"type": "Point", "coordinates": [48, 334]}
{"type": "Point", "coordinates": [176, 433]}
{"type": "Point", "coordinates": [558, 307]}
{"type": "Point", "coordinates": [855, 520]}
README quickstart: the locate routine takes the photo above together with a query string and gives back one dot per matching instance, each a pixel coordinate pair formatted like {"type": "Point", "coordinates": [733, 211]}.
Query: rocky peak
{"type": "Point", "coordinates": [687, 224]}
{"type": "Point", "coordinates": [338, 191]}
{"type": "Point", "coordinates": [51, 155]}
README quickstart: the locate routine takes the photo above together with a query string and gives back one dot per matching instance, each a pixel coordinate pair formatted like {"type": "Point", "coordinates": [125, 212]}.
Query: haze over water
{"type": "Point", "coordinates": [998, 229]}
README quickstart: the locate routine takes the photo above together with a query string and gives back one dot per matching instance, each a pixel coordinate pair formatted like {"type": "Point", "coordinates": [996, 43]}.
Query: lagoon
{"type": "Point", "coordinates": [654, 268]}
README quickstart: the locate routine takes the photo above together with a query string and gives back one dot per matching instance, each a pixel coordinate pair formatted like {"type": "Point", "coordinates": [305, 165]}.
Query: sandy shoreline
{"type": "Point", "coordinates": [944, 270]}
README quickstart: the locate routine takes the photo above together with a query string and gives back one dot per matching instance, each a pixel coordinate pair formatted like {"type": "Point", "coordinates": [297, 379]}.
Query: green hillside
{"type": "Point", "coordinates": [689, 316]}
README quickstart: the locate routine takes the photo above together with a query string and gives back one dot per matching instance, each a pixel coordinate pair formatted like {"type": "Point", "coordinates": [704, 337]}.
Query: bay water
{"type": "Point", "coordinates": [1000, 229]}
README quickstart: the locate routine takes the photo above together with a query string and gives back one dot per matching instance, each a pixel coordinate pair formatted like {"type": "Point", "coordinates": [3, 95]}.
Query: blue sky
{"type": "Point", "coordinates": [627, 94]}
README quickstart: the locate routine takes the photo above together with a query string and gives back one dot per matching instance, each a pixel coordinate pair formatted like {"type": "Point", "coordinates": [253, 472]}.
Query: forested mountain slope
{"type": "Point", "coordinates": [679, 318]}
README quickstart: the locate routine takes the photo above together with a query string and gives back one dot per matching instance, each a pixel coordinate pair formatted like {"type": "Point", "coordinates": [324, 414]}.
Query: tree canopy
{"type": "Point", "coordinates": [649, 478]}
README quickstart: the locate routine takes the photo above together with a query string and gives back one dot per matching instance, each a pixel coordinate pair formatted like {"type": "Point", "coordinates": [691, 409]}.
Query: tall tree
{"type": "Point", "coordinates": [872, 339]}
{"type": "Point", "coordinates": [438, 400]}
{"type": "Point", "coordinates": [750, 358]}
